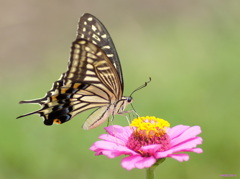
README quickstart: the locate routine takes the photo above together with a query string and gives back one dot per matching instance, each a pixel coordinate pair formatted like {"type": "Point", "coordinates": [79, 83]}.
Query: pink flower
{"type": "Point", "coordinates": [146, 140]}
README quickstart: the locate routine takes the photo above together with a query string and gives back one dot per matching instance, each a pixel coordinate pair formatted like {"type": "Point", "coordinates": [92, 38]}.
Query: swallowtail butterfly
{"type": "Point", "coordinates": [93, 80]}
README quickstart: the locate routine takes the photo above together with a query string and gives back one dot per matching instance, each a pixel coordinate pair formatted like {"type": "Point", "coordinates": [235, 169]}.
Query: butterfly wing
{"type": "Point", "coordinates": [90, 65]}
{"type": "Point", "coordinates": [91, 29]}
{"type": "Point", "coordinates": [98, 117]}
{"type": "Point", "coordinates": [90, 81]}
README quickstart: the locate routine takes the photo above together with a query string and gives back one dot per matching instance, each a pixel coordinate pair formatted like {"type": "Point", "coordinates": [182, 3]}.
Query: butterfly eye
{"type": "Point", "coordinates": [129, 99]}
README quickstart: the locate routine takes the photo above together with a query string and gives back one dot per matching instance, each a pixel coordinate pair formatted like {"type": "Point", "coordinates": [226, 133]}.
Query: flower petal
{"type": "Point", "coordinates": [137, 161]}
{"type": "Point", "coordinates": [119, 132]}
{"type": "Point", "coordinates": [151, 148]}
{"type": "Point", "coordinates": [180, 157]}
{"type": "Point", "coordinates": [121, 150]}
{"type": "Point", "coordinates": [114, 139]}
{"type": "Point", "coordinates": [110, 149]}
{"type": "Point", "coordinates": [185, 135]}
{"type": "Point", "coordinates": [146, 162]}
{"type": "Point", "coordinates": [106, 145]}
{"type": "Point", "coordinates": [196, 150]}
{"type": "Point", "coordinates": [163, 154]}
{"type": "Point", "coordinates": [129, 162]}
{"type": "Point", "coordinates": [189, 144]}
{"type": "Point", "coordinates": [177, 130]}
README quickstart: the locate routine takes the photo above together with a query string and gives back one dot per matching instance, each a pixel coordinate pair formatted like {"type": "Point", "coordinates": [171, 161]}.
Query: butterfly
{"type": "Point", "coordinates": [93, 80]}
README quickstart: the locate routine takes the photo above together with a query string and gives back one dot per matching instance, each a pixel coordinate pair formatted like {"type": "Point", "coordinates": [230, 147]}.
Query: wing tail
{"type": "Point", "coordinates": [39, 101]}
{"type": "Point", "coordinates": [28, 114]}
{"type": "Point", "coordinates": [35, 101]}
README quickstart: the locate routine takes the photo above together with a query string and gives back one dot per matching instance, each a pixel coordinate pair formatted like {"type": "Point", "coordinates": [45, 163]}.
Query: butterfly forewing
{"type": "Point", "coordinates": [91, 29]}
{"type": "Point", "coordinates": [90, 65]}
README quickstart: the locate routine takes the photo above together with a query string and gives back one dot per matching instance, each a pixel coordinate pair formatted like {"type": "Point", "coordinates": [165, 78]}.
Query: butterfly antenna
{"type": "Point", "coordinates": [142, 86]}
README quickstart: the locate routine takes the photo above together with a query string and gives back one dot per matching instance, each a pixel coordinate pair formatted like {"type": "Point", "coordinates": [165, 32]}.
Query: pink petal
{"type": "Point", "coordinates": [110, 149]}
{"type": "Point", "coordinates": [177, 130]}
{"type": "Point", "coordinates": [119, 132]}
{"type": "Point", "coordinates": [192, 143]}
{"type": "Point", "coordinates": [129, 162]}
{"type": "Point", "coordinates": [163, 154]}
{"type": "Point", "coordinates": [108, 153]}
{"type": "Point", "coordinates": [186, 134]}
{"type": "Point", "coordinates": [113, 154]}
{"type": "Point", "coordinates": [196, 150]}
{"type": "Point", "coordinates": [122, 150]}
{"type": "Point", "coordinates": [113, 139]}
{"type": "Point", "coordinates": [146, 162]}
{"type": "Point", "coordinates": [180, 157]}
{"type": "Point", "coordinates": [151, 148]}
{"type": "Point", "coordinates": [137, 161]}
{"type": "Point", "coordinates": [106, 145]}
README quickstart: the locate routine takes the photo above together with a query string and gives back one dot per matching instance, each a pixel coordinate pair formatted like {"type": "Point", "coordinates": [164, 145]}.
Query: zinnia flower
{"type": "Point", "coordinates": [147, 140]}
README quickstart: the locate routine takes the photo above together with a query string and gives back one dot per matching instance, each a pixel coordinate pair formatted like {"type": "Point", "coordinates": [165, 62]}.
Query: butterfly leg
{"type": "Point", "coordinates": [130, 114]}
{"type": "Point", "coordinates": [110, 120]}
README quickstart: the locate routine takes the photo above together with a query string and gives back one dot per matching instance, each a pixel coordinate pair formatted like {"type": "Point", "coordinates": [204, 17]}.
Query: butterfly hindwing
{"type": "Point", "coordinates": [98, 117]}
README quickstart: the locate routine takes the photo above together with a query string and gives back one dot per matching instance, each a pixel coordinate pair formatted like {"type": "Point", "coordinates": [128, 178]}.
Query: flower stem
{"type": "Point", "coordinates": [150, 170]}
{"type": "Point", "coordinates": [150, 173]}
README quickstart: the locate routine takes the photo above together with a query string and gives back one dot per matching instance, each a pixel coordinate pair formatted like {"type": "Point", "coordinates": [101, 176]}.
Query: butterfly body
{"type": "Point", "coordinates": [93, 80]}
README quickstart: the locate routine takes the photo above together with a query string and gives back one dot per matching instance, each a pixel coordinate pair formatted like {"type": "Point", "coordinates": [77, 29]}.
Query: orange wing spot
{"type": "Point", "coordinates": [76, 85]}
{"type": "Point", "coordinates": [57, 121]}
{"type": "Point", "coordinates": [53, 98]}
{"type": "Point", "coordinates": [63, 90]}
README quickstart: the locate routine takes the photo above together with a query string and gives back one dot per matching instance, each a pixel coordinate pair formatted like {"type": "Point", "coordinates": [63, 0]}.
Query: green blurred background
{"type": "Point", "coordinates": [189, 48]}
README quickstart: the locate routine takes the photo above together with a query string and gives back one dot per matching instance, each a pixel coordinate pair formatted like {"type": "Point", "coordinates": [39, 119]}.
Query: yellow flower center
{"type": "Point", "coordinates": [150, 126]}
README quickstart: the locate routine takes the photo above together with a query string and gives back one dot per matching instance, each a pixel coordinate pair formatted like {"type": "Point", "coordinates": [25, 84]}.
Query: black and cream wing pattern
{"type": "Point", "coordinates": [93, 80]}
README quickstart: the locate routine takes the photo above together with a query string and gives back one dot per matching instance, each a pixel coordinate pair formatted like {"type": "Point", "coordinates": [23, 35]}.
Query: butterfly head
{"type": "Point", "coordinates": [126, 100]}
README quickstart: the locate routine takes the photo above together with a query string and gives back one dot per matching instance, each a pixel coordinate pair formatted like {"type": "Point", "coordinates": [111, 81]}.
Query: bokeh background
{"type": "Point", "coordinates": [190, 49]}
